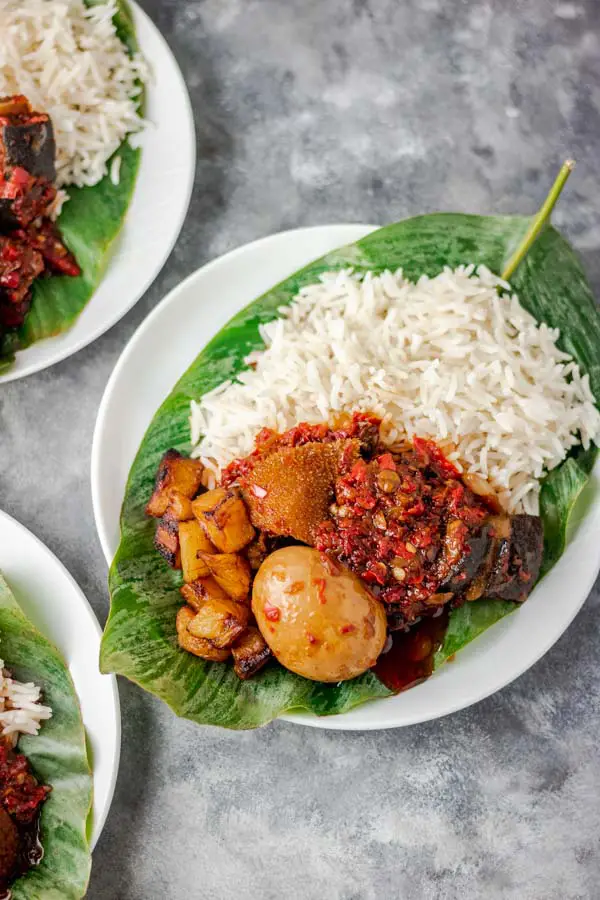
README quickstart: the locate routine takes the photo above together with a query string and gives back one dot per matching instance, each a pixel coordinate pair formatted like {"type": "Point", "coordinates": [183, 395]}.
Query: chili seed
{"type": "Point", "coordinates": [388, 480]}
{"type": "Point", "coordinates": [410, 547]}
{"type": "Point", "coordinates": [399, 573]}
{"type": "Point", "coordinates": [379, 520]}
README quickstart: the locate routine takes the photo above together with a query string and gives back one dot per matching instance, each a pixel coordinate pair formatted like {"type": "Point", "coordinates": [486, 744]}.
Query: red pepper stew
{"type": "Point", "coordinates": [21, 800]}
{"type": "Point", "coordinates": [402, 521]}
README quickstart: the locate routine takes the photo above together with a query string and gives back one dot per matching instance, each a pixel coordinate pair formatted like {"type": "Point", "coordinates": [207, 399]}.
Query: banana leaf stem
{"type": "Point", "coordinates": [540, 220]}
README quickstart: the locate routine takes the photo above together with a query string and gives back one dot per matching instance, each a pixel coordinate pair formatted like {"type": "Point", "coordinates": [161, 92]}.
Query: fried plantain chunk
{"type": "Point", "coordinates": [220, 621]}
{"type": "Point", "coordinates": [232, 572]}
{"type": "Point", "coordinates": [175, 472]}
{"type": "Point", "coordinates": [198, 646]}
{"type": "Point", "coordinates": [193, 541]}
{"type": "Point", "coordinates": [224, 516]}
{"type": "Point", "coordinates": [197, 592]}
{"type": "Point", "coordinates": [180, 506]}
{"type": "Point", "coordinates": [250, 653]}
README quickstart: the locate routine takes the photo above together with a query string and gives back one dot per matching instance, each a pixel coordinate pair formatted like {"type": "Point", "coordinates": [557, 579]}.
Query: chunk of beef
{"type": "Point", "coordinates": [26, 138]}
{"type": "Point", "coordinates": [461, 567]}
{"type": "Point", "coordinates": [518, 560]}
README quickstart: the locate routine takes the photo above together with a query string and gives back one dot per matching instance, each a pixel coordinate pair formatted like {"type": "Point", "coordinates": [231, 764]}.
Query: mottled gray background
{"type": "Point", "coordinates": [313, 111]}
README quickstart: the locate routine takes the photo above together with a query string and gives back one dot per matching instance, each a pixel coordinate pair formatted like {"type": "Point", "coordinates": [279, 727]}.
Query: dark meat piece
{"type": "Point", "coordinates": [518, 559]}
{"type": "Point", "coordinates": [26, 138]}
{"type": "Point", "coordinates": [9, 846]}
{"type": "Point", "coordinates": [464, 564]}
{"type": "Point", "coordinates": [27, 170]}
{"type": "Point", "coordinates": [289, 492]}
{"type": "Point", "coordinates": [23, 198]}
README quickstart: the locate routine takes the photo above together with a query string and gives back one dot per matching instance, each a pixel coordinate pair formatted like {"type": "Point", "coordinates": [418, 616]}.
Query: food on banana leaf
{"type": "Point", "coordinates": [480, 401]}
{"type": "Point", "coordinates": [400, 534]}
{"type": "Point", "coordinates": [45, 779]}
{"type": "Point", "coordinates": [30, 244]}
{"type": "Point", "coordinates": [66, 172]}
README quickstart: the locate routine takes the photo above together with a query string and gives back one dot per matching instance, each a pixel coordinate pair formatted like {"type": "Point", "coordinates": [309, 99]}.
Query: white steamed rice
{"type": "Point", "coordinates": [68, 61]}
{"type": "Point", "coordinates": [20, 709]}
{"type": "Point", "coordinates": [446, 358]}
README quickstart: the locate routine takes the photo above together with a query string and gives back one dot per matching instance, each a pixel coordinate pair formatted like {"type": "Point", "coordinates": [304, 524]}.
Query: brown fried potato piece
{"type": "Point", "coordinates": [232, 572]}
{"type": "Point", "coordinates": [175, 472]}
{"type": "Point", "coordinates": [197, 646]}
{"type": "Point", "coordinates": [250, 653]}
{"type": "Point", "coordinates": [197, 592]}
{"type": "Point", "coordinates": [220, 621]}
{"type": "Point", "coordinates": [223, 515]}
{"type": "Point", "coordinates": [193, 541]}
{"type": "Point", "coordinates": [289, 492]}
{"type": "Point", "coordinates": [166, 540]}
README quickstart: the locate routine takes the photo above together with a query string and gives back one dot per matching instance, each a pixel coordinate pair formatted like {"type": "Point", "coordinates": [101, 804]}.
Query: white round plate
{"type": "Point", "coordinates": [176, 331]}
{"type": "Point", "coordinates": [154, 218]}
{"type": "Point", "coordinates": [52, 600]}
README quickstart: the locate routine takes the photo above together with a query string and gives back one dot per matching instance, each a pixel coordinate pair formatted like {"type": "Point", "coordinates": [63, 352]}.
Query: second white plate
{"type": "Point", "coordinates": [156, 214]}
{"type": "Point", "coordinates": [171, 338]}
{"type": "Point", "coordinates": [52, 600]}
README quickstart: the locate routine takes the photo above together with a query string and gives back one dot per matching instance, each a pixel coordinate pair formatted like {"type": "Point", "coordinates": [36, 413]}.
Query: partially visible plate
{"type": "Point", "coordinates": [156, 214]}
{"type": "Point", "coordinates": [52, 600]}
{"type": "Point", "coordinates": [173, 335]}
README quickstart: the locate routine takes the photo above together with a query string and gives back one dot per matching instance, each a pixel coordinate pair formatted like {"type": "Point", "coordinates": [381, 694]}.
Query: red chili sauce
{"type": "Point", "coordinates": [402, 521]}
{"type": "Point", "coordinates": [21, 800]}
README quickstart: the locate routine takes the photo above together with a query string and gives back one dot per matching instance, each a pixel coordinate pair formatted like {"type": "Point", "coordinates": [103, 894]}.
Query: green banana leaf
{"type": "Point", "coordinates": [90, 224]}
{"type": "Point", "coordinates": [58, 756]}
{"type": "Point", "coordinates": [139, 640]}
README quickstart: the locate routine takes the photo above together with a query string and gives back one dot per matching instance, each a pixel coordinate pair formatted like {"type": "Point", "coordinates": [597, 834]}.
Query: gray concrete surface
{"type": "Point", "coordinates": [312, 111]}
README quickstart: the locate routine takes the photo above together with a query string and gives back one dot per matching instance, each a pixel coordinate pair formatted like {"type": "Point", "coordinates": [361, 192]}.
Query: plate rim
{"type": "Point", "coordinates": [15, 374]}
{"type": "Point", "coordinates": [339, 722]}
{"type": "Point", "coordinates": [99, 822]}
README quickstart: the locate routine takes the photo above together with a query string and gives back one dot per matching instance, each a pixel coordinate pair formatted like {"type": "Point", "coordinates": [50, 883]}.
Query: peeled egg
{"type": "Point", "coordinates": [319, 619]}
